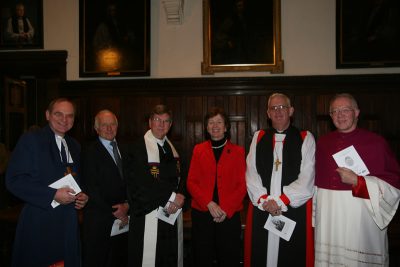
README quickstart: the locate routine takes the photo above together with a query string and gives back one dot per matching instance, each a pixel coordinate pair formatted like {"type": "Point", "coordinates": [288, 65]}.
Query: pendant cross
{"type": "Point", "coordinates": [277, 163]}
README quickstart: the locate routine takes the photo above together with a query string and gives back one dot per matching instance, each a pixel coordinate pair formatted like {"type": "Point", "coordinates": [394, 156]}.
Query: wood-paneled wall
{"type": "Point", "coordinates": [244, 99]}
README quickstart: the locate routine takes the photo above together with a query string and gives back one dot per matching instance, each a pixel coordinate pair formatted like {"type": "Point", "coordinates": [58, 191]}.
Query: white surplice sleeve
{"type": "Point", "coordinates": [383, 201]}
{"type": "Point", "coordinates": [302, 189]}
{"type": "Point", "coordinates": [254, 184]}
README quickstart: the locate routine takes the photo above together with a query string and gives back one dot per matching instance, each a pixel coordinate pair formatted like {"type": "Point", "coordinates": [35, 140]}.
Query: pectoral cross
{"type": "Point", "coordinates": [277, 163]}
{"type": "Point", "coordinates": [69, 171]}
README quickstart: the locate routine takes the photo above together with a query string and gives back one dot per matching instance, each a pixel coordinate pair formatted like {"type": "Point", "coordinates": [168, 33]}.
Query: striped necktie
{"type": "Point", "coordinates": [117, 157]}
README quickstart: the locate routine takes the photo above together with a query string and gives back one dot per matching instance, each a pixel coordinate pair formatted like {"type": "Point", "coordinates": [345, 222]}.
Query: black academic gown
{"type": "Point", "coordinates": [105, 188]}
{"type": "Point", "coordinates": [146, 193]}
{"type": "Point", "coordinates": [44, 234]}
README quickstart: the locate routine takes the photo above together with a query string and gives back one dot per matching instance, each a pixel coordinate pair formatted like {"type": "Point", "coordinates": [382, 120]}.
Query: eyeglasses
{"type": "Point", "coordinates": [106, 125]}
{"type": "Point", "coordinates": [60, 115]}
{"type": "Point", "coordinates": [158, 120]}
{"type": "Point", "coordinates": [279, 107]}
{"type": "Point", "coordinates": [344, 111]}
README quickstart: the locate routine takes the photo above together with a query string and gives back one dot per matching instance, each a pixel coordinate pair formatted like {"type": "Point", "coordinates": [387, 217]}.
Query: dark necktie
{"type": "Point", "coordinates": [63, 153]}
{"type": "Point", "coordinates": [117, 157]}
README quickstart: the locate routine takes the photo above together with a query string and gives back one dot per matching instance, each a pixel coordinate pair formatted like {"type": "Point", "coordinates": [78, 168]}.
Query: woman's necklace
{"type": "Point", "coordinates": [216, 147]}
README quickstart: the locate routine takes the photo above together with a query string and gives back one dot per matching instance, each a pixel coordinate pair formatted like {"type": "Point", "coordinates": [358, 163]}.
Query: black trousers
{"type": "Point", "coordinates": [113, 253]}
{"type": "Point", "coordinates": [213, 242]}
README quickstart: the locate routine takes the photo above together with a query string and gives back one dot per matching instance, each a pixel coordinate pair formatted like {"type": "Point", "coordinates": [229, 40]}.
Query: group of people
{"type": "Point", "coordinates": [340, 216]}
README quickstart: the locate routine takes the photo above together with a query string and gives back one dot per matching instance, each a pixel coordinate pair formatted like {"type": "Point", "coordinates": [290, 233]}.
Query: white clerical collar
{"type": "Point", "coordinates": [279, 137]}
{"type": "Point", "coordinates": [160, 141]}
{"type": "Point", "coordinates": [152, 148]}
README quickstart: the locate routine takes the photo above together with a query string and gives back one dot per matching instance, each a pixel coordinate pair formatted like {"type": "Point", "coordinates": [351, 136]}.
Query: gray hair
{"type": "Point", "coordinates": [279, 95]}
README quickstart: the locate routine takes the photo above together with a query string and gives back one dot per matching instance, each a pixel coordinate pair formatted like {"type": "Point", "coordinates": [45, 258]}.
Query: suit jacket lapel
{"type": "Point", "coordinates": [54, 150]}
{"type": "Point", "coordinates": [103, 153]}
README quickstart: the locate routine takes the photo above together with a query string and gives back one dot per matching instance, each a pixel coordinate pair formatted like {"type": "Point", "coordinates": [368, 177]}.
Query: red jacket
{"type": "Point", "coordinates": [230, 173]}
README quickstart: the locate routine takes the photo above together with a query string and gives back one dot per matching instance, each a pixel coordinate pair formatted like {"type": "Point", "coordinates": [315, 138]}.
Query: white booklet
{"type": "Point", "coordinates": [281, 226]}
{"type": "Point", "coordinates": [119, 227]}
{"type": "Point", "coordinates": [163, 215]}
{"type": "Point", "coordinates": [67, 181]}
{"type": "Point", "coordinates": [350, 159]}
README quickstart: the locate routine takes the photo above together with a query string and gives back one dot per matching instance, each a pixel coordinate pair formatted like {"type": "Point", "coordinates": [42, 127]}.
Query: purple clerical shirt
{"type": "Point", "coordinates": [372, 148]}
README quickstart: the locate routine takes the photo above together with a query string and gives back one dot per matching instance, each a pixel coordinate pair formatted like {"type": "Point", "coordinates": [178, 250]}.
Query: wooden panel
{"type": "Point", "coordinates": [244, 99]}
{"type": "Point", "coordinates": [15, 110]}
{"type": "Point", "coordinates": [41, 73]}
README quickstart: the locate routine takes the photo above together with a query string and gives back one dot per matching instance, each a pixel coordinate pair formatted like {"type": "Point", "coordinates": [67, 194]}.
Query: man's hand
{"type": "Point", "coordinates": [65, 195]}
{"type": "Point", "coordinates": [347, 176]}
{"type": "Point", "coordinates": [272, 207]}
{"type": "Point", "coordinates": [176, 204]}
{"type": "Point", "coordinates": [121, 212]}
{"type": "Point", "coordinates": [81, 200]}
{"type": "Point", "coordinates": [179, 200]}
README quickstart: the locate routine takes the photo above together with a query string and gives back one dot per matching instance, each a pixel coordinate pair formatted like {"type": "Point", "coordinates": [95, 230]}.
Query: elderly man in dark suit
{"type": "Point", "coordinates": [104, 182]}
{"type": "Point", "coordinates": [47, 234]}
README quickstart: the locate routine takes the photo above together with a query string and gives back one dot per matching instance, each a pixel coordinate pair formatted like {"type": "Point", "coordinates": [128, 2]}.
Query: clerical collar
{"type": "Point", "coordinates": [279, 137]}
{"type": "Point", "coordinates": [160, 141]}
{"type": "Point", "coordinates": [219, 143]}
{"type": "Point", "coordinates": [280, 132]}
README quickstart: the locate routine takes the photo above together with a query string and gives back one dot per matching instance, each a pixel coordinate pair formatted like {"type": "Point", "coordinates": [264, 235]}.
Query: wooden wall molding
{"type": "Point", "coordinates": [237, 85]}
{"type": "Point", "coordinates": [38, 63]}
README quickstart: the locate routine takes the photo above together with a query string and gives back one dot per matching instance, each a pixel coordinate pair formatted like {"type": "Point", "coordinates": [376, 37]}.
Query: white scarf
{"type": "Point", "coordinates": [152, 149]}
{"type": "Point", "coordinates": [151, 222]}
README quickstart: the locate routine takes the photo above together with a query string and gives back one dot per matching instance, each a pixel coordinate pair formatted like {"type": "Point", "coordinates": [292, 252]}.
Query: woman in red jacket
{"type": "Point", "coordinates": [217, 184]}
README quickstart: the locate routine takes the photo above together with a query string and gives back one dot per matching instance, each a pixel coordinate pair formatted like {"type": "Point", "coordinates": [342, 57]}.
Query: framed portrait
{"type": "Point", "coordinates": [114, 38]}
{"type": "Point", "coordinates": [367, 33]}
{"type": "Point", "coordinates": [21, 24]}
{"type": "Point", "coordinates": [241, 35]}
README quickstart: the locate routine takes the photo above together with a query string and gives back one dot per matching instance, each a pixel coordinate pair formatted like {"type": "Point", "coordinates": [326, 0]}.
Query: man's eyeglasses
{"type": "Point", "coordinates": [345, 111]}
{"type": "Point", "coordinates": [60, 115]}
{"type": "Point", "coordinates": [276, 108]}
{"type": "Point", "coordinates": [158, 120]}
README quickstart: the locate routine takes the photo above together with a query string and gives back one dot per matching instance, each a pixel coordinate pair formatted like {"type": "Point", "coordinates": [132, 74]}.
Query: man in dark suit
{"type": "Point", "coordinates": [47, 234]}
{"type": "Point", "coordinates": [104, 182]}
{"type": "Point", "coordinates": [153, 178]}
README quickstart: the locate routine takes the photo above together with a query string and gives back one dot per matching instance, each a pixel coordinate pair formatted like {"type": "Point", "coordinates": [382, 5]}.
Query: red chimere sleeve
{"type": "Point", "coordinates": [360, 190]}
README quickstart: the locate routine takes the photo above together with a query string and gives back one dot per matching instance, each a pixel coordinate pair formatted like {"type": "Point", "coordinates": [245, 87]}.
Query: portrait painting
{"type": "Point", "coordinates": [114, 38]}
{"type": "Point", "coordinates": [21, 24]}
{"type": "Point", "coordinates": [241, 35]}
{"type": "Point", "coordinates": [367, 33]}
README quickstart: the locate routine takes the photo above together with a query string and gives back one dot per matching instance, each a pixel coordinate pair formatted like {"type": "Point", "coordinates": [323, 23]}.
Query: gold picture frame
{"type": "Point", "coordinates": [241, 35]}
{"type": "Point", "coordinates": [21, 25]}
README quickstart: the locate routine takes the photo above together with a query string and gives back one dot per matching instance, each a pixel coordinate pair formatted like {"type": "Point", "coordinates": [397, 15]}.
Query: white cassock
{"type": "Point", "coordinates": [357, 234]}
